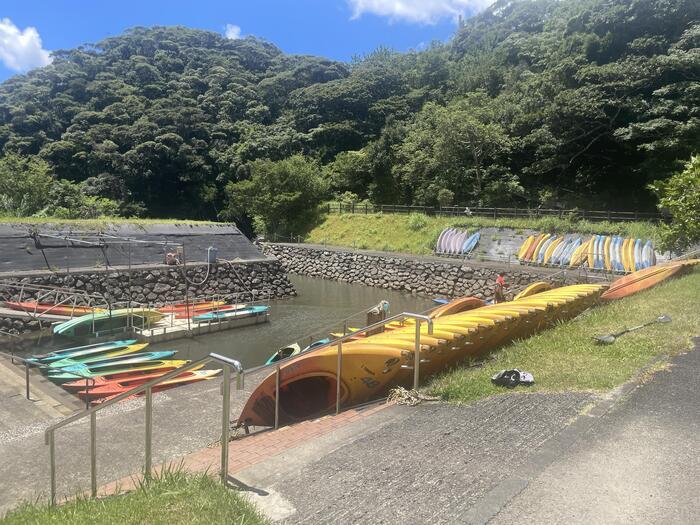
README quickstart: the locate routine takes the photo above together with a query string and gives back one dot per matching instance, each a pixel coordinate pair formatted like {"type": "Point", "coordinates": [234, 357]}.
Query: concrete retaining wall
{"type": "Point", "coordinates": [414, 274]}
{"type": "Point", "coordinates": [157, 284]}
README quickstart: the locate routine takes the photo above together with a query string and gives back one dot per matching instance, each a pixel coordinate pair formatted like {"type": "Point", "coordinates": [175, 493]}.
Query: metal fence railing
{"type": "Point", "coordinates": [496, 213]}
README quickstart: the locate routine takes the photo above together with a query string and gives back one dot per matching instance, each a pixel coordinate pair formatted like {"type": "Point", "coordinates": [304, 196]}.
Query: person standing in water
{"type": "Point", "coordinates": [498, 292]}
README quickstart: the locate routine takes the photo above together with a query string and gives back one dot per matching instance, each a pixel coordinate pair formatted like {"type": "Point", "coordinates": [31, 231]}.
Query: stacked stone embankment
{"type": "Point", "coordinates": [155, 285]}
{"type": "Point", "coordinates": [411, 274]}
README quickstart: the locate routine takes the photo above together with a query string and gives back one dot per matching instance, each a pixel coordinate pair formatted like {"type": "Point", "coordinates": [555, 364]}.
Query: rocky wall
{"type": "Point", "coordinates": [419, 275]}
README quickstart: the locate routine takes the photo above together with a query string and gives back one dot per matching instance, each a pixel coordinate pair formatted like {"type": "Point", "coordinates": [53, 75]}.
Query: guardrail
{"type": "Point", "coordinates": [496, 213]}
{"type": "Point", "coordinates": [229, 365]}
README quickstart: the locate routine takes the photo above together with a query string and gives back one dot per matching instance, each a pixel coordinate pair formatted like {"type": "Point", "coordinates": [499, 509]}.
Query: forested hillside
{"type": "Point", "coordinates": [543, 102]}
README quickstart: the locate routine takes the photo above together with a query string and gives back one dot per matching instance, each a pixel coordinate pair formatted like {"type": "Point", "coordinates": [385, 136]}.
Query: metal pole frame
{"type": "Point", "coordinates": [225, 423]}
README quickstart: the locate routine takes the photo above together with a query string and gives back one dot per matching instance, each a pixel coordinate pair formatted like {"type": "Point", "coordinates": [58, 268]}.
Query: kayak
{"type": "Point", "coordinates": [644, 279]}
{"type": "Point", "coordinates": [458, 305]}
{"type": "Point", "coordinates": [225, 308]}
{"type": "Point", "coordinates": [52, 309]}
{"type": "Point", "coordinates": [294, 349]}
{"type": "Point", "coordinates": [196, 306]}
{"type": "Point", "coordinates": [373, 365]}
{"type": "Point", "coordinates": [131, 375]}
{"type": "Point", "coordinates": [119, 387]}
{"type": "Point", "coordinates": [76, 351]}
{"type": "Point", "coordinates": [534, 288]}
{"type": "Point", "coordinates": [105, 321]}
{"type": "Point", "coordinates": [117, 368]}
{"type": "Point", "coordinates": [93, 358]}
{"type": "Point", "coordinates": [241, 312]}
{"type": "Point", "coordinates": [106, 362]}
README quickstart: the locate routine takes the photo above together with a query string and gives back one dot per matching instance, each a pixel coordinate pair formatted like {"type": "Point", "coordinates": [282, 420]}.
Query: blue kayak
{"type": "Point", "coordinates": [231, 314]}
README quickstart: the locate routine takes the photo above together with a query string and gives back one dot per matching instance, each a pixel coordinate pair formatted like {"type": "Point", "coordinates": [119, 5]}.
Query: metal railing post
{"type": "Point", "coordinates": [52, 467]}
{"type": "Point", "coordinates": [26, 380]}
{"type": "Point", "coordinates": [338, 374]}
{"type": "Point", "coordinates": [93, 454]}
{"type": "Point", "coordinates": [225, 423]}
{"type": "Point", "coordinates": [148, 447]}
{"type": "Point", "coordinates": [277, 396]}
{"type": "Point", "coordinates": [416, 358]}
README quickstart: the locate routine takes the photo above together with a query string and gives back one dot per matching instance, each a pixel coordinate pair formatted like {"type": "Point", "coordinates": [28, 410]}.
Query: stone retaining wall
{"type": "Point", "coordinates": [155, 285]}
{"type": "Point", "coordinates": [419, 275]}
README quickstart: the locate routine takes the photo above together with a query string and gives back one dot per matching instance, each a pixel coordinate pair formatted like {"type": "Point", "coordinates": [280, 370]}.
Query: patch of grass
{"type": "Point", "coordinates": [170, 498]}
{"type": "Point", "coordinates": [417, 233]}
{"type": "Point", "coordinates": [566, 358]}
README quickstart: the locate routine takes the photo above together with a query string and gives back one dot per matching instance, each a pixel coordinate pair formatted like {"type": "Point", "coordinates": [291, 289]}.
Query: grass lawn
{"type": "Point", "coordinates": [566, 358]}
{"type": "Point", "coordinates": [172, 498]}
{"type": "Point", "coordinates": [417, 233]}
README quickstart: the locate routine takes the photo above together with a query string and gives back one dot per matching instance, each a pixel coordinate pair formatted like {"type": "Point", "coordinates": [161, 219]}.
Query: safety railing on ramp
{"type": "Point", "coordinates": [229, 365]}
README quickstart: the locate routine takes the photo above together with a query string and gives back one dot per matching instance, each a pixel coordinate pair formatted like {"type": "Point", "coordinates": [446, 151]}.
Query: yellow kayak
{"type": "Point", "coordinates": [523, 248]}
{"type": "Point", "coordinates": [534, 288]}
{"type": "Point", "coordinates": [373, 365]}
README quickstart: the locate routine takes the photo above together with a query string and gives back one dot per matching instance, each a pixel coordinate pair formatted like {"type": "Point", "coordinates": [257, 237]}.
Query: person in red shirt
{"type": "Point", "coordinates": [498, 292]}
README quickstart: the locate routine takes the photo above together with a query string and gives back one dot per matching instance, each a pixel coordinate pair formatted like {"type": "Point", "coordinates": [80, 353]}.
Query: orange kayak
{"type": "Point", "coordinates": [135, 375]}
{"type": "Point", "coordinates": [52, 309]}
{"type": "Point", "coordinates": [183, 307]}
{"type": "Point", "coordinates": [119, 387]}
{"type": "Point", "coordinates": [644, 279]}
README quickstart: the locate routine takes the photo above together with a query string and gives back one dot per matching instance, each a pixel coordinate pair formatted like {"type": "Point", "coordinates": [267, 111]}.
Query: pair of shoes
{"type": "Point", "coordinates": [512, 378]}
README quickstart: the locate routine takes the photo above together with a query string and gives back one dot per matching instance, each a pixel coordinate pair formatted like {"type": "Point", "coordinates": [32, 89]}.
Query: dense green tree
{"type": "Point", "coordinates": [281, 196]}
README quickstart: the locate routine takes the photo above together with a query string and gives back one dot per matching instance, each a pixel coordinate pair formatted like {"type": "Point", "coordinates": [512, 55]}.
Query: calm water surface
{"type": "Point", "coordinates": [319, 308]}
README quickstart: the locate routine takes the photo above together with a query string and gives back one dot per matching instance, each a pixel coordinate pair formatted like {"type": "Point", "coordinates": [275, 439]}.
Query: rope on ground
{"type": "Point", "coordinates": [402, 396]}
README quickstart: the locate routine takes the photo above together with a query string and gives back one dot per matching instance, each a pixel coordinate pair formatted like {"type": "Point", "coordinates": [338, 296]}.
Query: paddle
{"type": "Point", "coordinates": [610, 338]}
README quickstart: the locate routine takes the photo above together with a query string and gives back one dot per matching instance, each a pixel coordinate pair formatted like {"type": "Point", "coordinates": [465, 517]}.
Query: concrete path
{"type": "Point", "coordinates": [518, 458]}
{"type": "Point", "coordinates": [638, 464]}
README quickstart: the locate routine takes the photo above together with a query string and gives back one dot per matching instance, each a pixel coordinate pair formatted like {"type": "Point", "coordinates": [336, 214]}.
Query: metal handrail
{"type": "Point", "coordinates": [49, 434]}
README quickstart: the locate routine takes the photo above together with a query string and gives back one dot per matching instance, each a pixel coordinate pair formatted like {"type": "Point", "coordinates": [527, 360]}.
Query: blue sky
{"type": "Point", "coordinates": [339, 29]}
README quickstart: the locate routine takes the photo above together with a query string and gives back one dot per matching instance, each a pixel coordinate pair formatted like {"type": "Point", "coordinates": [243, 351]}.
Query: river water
{"type": "Point", "coordinates": [320, 307]}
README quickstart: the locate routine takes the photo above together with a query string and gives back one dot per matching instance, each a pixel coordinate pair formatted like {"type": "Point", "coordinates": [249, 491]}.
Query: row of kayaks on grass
{"type": "Point", "coordinates": [600, 252]}
{"type": "Point", "coordinates": [374, 364]}
{"type": "Point", "coordinates": [110, 320]}
{"type": "Point", "coordinates": [453, 241]}
{"type": "Point", "coordinates": [119, 365]}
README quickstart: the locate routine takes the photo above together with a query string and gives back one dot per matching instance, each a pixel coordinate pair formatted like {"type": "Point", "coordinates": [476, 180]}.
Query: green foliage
{"type": "Point", "coordinates": [680, 197]}
{"type": "Point", "coordinates": [28, 189]}
{"type": "Point", "coordinates": [532, 102]}
{"type": "Point", "coordinates": [417, 221]}
{"type": "Point", "coordinates": [282, 196]}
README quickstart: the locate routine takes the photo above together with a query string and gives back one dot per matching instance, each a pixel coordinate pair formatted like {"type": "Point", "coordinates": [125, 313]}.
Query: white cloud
{"type": "Point", "coordinates": [421, 11]}
{"type": "Point", "coordinates": [21, 50]}
{"type": "Point", "coordinates": [232, 31]}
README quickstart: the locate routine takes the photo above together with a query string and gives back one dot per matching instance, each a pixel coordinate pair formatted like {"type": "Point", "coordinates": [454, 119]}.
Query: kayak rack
{"type": "Point", "coordinates": [229, 366]}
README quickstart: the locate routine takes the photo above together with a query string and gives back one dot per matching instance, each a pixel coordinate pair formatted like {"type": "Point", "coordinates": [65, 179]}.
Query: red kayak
{"type": "Point", "coordinates": [108, 391]}
{"type": "Point", "coordinates": [52, 309]}
{"type": "Point", "coordinates": [136, 375]}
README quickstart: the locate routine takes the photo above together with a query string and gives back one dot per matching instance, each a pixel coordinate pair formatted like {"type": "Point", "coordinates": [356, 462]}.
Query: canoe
{"type": "Point", "coordinates": [119, 387]}
{"type": "Point", "coordinates": [230, 314]}
{"type": "Point", "coordinates": [458, 305]}
{"type": "Point", "coordinates": [438, 243]}
{"type": "Point", "coordinates": [532, 289]}
{"type": "Point", "coordinates": [52, 309]}
{"type": "Point", "coordinates": [195, 313]}
{"type": "Point", "coordinates": [568, 254]}
{"type": "Point", "coordinates": [524, 246]}
{"type": "Point", "coordinates": [630, 255]}
{"type": "Point", "coordinates": [537, 245]}
{"type": "Point", "coordinates": [294, 349]}
{"type": "Point", "coordinates": [184, 307]}
{"type": "Point", "coordinates": [606, 253]}
{"type": "Point", "coordinates": [93, 358]}
{"type": "Point", "coordinates": [373, 365]}
{"type": "Point", "coordinates": [117, 367]}
{"type": "Point", "coordinates": [550, 250]}
{"type": "Point", "coordinates": [76, 351]}
{"type": "Point", "coordinates": [543, 249]}
{"type": "Point", "coordinates": [130, 375]}
{"type": "Point", "coordinates": [106, 362]}
{"type": "Point", "coordinates": [560, 250]}
{"type": "Point", "coordinates": [471, 243]}
{"type": "Point", "coordinates": [644, 279]}
{"type": "Point", "coordinates": [105, 321]}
